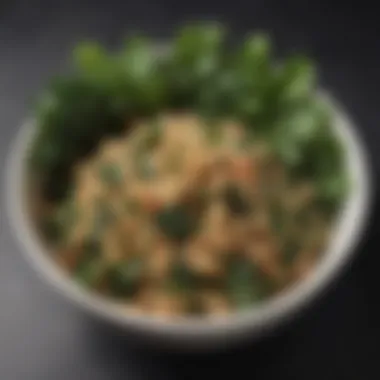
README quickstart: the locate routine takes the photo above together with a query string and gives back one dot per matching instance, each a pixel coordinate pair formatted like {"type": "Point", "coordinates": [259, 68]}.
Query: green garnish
{"type": "Point", "coordinates": [90, 273]}
{"type": "Point", "coordinates": [111, 174]}
{"type": "Point", "coordinates": [56, 225]}
{"type": "Point", "coordinates": [290, 251]}
{"type": "Point", "coordinates": [124, 277]}
{"type": "Point", "coordinates": [181, 279]}
{"type": "Point", "coordinates": [198, 72]}
{"type": "Point", "coordinates": [91, 248]}
{"type": "Point", "coordinates": [176, 222]}
{"type": "Point", "coordinates": [245, 284]}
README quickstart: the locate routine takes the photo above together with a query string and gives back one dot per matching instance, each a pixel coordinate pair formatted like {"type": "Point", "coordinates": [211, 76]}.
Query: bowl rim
{"type": "Point", "coordinates": [349, 230]}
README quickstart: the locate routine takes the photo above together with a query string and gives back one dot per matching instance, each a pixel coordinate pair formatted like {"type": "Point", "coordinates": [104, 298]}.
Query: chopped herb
{"type": "Point", "coordinates": [67, 215]}
{"type": "Point", "coordinates": [91, 248]}
{"type": "Point", "coordinates": [125, 277]}
{"type": "Point", "coordinates": [176, 222]}
{"type": "Point", "coordinates": [90, 273]}
{"type": "Point", "coordinates": [184, 282]}
{"type": "Point", "coordinates": [245, 284]}
{"type": "Point", "coordinates": [181, 280]}
{"type": "Point", "coordinates": [290, 251]}
{"type": "Point", "coordinates": [56, 226]}
{"type": "Point", "coordinates": [111, 174]}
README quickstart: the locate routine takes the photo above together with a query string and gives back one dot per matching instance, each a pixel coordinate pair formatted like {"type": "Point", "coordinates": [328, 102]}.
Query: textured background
{"type": "Point", "coordinates": [43, 337]}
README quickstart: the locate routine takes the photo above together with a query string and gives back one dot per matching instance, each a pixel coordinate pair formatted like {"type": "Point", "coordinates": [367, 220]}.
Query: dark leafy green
{"type": "Point", "coordinates": [198, 72]}
{"type": "Point", "coordinates": [182, 280]}
{"type": "Point", "coordinates": [90, 273]}
{"type": "Point", "coordinates": [194, 62]}
{"type": "Point", "coordinates": [56, 224]}
{"type": "Point", "coordinates": [92, 244]}
{"type": "Point", "coordinates": [298, 79]}
{"type": "Point", "coordinates": [71, 121]}
{"type": "Point", "coordinates": [124, 277]}
{"type": "Point", "coordinates": [90, 266]}
{"type": "Point", "coordinates": [290, 251]}
{"type": "Point", "coordinates": [245, 284]}
{"type": "Point", "coordinates": [176, 222]}
{"type": "Point", "coordinates": [143, 81]}
{"type": "Point", "coordinates": [96, 65]}
{"type": "Point", "coordinates": [91, 249]}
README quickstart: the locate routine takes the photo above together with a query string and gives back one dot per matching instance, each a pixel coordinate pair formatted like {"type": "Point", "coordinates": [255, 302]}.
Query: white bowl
{"type": "Point", "coordinates": [203, 334]}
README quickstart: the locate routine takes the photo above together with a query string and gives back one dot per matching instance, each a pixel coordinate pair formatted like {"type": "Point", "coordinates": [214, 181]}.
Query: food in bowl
{"type": "Point", "coordinates": [197, 181]}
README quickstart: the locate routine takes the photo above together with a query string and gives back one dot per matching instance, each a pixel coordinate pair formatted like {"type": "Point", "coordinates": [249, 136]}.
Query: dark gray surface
{"type": "Point", "coordinates": [43, 337]}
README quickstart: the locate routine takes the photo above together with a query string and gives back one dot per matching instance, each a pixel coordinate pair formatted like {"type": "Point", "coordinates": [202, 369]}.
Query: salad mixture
{"type": "Point", "coordinates": [195, 181]}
